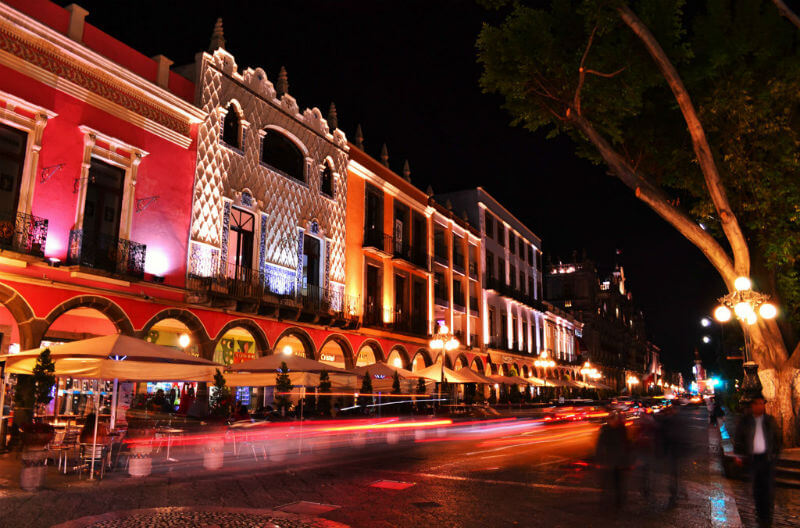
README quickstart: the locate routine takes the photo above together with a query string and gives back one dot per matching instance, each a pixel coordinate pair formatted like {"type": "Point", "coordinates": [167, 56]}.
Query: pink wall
{"type": "Point", "coordinates": [57, 18]}
{"type": "Point", "coordinates": [168, 171]}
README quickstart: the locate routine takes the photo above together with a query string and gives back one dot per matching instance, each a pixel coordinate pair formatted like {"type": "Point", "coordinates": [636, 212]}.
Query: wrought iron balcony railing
{"type": "Point", "coordinates": [107, 253]}
{"type": "Point", "coordinates": [23, 233]}
{"type": "Point", "coordinates": [376, 239]}
{"type": "Point", "coordinates": [415, 255]}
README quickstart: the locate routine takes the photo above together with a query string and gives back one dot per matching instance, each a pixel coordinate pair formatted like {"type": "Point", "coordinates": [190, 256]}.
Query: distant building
{"type": "Point", "coordinates": [516, 319]}
{"type": "Point", "coordinates": [613, 332]}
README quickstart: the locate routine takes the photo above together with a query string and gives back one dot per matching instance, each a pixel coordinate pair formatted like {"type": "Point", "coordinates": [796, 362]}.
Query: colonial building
{"type": "Point", "coordinates": [614, 332]}
{"type": "Point", "coordinates": [514, 317]}
{"type": "Point", "coordinates": [200, 207]}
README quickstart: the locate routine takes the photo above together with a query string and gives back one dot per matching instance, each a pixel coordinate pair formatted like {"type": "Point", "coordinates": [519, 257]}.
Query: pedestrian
{"type": "Point", "coordinates": [612, 456]}
{"type": "Point", "coordinates": [644, 445]}
{"type": "Point", "coordinates": [716, 414]}
{"type": "Point", "coordinates": [758, 442]}
{"type": "Point", "coordinates": [673, 445]}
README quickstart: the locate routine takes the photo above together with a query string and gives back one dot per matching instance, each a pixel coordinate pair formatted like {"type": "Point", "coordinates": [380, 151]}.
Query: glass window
{"type": "Point", "coordinates": [512, 242]}
{"type": "Point", "coordinates": [326, 180]}
{"type": "Point", "coordinates": [489, 224]}
{"type": "Point", "coordinates": [12, 159]}
{"type": "Point", "coordinates": [490, 265]}
{"type": "Point", "coordinates": [281, 153]}
{"type": "Point", "coordinates": [231, 128]}
{"type": "Point", "coordinates": [501, 269]}
{"type": "Point", "coordinates": [501, 234]}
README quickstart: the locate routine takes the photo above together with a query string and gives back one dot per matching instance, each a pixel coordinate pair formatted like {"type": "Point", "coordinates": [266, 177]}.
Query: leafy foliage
{"type": "Point", "coordinates": [396, 383]}
{"type": "Point", "coordinates": [283, 385]}
{"type": "Point", "coordinates": [222, 397]}
{"type": "Point", "coordinates": [740, 62]}
{"type": "Point", "coordinates": [324, 402]}
{"type": "Point", "coordinates": [366, 388]}
{"type": "Point", "coordinates": [43, 378]}
{"type": "Point", "coordinates": [421, 389]}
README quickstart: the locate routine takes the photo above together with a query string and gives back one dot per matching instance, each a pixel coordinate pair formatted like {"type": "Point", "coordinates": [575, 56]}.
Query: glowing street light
{"type": "Point", "coordinates": [706, 339]}
{"type": "Point", "coordinates": [443, 341]}
{"type": "Point", "coordinates": [705, 322]}
{"type": "Point", "coordinates": [747, 305]}
{"type": "Point", "coordinates": [184, 340]}
{"type": "Point", "coordinates": [287, 350]}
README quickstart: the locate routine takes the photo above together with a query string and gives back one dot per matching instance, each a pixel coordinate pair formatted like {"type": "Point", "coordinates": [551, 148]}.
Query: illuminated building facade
{"type": "Point", "coordinates": [199, 207]}
{"type": "Point", "coordinates": [614, 331]}
{"type": "Point", "coordinates": [515, 320]}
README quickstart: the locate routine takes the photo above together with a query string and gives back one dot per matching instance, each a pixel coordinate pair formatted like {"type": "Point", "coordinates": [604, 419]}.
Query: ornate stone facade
{"type": "Point", "coordinates": [226, 175]}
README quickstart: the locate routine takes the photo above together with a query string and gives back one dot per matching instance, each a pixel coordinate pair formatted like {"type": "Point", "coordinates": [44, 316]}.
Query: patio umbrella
{"type": "Point", "coordinates": [474, 377]}
{"type": "Point", "coordinates": [116, 357]}
{"type": "Point", "coordinates": [437, 372]}
{"type": "Point", "coordinates": [263, 372]}
{"type": "Point", "coordinates": [382, 375]}
{"type": "Point", "coordinates": [510, 380]}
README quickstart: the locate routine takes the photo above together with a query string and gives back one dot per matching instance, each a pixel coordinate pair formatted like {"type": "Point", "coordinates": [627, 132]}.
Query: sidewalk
{"type": "Point", "coordinates": [787, 500]}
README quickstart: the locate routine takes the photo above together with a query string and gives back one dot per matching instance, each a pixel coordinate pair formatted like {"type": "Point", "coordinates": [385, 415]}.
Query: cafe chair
{"type": "Point", "coordinates": [98, 455]}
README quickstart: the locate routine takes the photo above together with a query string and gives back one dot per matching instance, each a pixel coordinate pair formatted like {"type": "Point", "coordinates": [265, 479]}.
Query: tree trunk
{"type": "Point", "coordinates": [781, 388]}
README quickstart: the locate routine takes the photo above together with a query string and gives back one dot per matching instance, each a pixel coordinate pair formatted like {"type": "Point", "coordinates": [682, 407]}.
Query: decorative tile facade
{"type": "Point", "coordinates": [223, 172]}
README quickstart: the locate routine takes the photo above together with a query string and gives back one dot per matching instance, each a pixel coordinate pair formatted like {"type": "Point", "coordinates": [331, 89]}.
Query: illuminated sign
{"type": "Point", "coordinates": [327, 357]}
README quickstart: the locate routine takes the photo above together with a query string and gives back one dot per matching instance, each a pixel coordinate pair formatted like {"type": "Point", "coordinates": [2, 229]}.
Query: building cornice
{"type": "Point", "coordinates": [40, 52]}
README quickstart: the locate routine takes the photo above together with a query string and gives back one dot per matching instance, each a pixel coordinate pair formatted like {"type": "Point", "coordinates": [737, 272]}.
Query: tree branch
{"type": "Point", "coordinates": [576, 101]}
{"type": "Point", "coordinates": [730, 225]}
{"type": "Point", "coordinates": [657, 200]}
{"type": "Point", "coordinates": [606, 75]}
{"type": "Point", "coordinates": [788, 13]}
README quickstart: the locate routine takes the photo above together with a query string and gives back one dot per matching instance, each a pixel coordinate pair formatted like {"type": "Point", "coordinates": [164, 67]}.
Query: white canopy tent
{"type": "Point", "coordinates": [263, 372]}
{"type": "Point", "coordinates": [382, 375]}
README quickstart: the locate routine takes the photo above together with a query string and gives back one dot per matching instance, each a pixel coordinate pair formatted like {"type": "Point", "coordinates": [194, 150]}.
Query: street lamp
{"type": "Point", "coordinates": [748, 306]}
{"type": "Point", "coordinates": [543, 362]}
{"type": "Point", "coordinates": [632, 380]}
{"type": "Point", "coordinates": [706, 339]}
{"type": "Point", "coordinates": [443, 340]}
{"type": "Point", "coordinates": [287, 350]}
{"type": "Point", "coordinates": [184, 340]}
{"type": "Point", "coordinates": [705, 322]}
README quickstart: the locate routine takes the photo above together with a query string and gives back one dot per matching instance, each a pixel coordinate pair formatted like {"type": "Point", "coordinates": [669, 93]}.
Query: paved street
{"type": "Point", "coordinates": [521, 476]}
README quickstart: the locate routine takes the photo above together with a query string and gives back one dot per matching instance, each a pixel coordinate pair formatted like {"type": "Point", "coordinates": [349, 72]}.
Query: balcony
{"type": "Point", "coordinates": [440, 296]}
{"type": "Point", "coordinates": [473, 306]}
{"type": "Point", "coordinates": [440, 254]}
{"type": "Point", "coordinates": [271, 293]}
{"type": "Point", "coordinates": [458, 301]}
{"type": "Point", "coordinates": [509, 291]}
{"type": "Point", "coordinates": [103, 252]}
{"type": "Point", "coordinates": [378, 241]}
{"type": "Point", "coordinates": [413, 255]}
{"type": "Point", "coordinates": [473, 270]}
{"type": "Point", "coordinates": [23, 233]}
{"type": "Point", "coordinates": [410, 323]}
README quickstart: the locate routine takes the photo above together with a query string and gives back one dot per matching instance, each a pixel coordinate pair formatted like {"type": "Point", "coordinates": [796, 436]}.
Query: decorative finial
{"type": "Point", "coordinates": [384, 156]}
{"type": "Point", "coordinates": [217, 37]}
{"type": "Point", "coordinates": [333, 118]}
{"type": "Point", "coordinates": [429, 191]}
{"type": "Point", "coordinates": [449, 205]}
{"type": "Point", "coordinates": [406, 171]}
{"type": "Point", "coordinates": [282, 85]}
{"type": "Point", "coordinates": [359, 138]}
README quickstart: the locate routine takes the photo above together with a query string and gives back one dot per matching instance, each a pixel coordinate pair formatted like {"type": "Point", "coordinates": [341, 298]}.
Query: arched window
{"type": "Point", "coordinates": [231, 128]}
{"type": "Point", "coordinates": [326, 180]}
{"type": "Point", "coordinates": [281, 153]}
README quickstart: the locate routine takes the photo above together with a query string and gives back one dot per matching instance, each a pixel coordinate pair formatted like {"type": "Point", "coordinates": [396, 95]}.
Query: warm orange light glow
{"type": "Point", "coordinates": [402, 425]}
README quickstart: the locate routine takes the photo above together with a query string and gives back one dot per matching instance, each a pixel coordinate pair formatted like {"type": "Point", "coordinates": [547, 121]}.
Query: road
{"type": "Point", "coordinates": [519, 475]}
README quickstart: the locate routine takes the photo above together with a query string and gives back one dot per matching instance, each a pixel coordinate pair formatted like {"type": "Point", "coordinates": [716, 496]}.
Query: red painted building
{"type": "Point", "coordinates": [125, 205]}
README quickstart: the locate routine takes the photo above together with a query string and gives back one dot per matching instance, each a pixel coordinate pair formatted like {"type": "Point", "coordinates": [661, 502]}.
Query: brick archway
{"type": "Point", "coordinates": [109, 308]}
{"type": "Point", "coordinates": [260, 338]}
{"type": "Point", "coordinates": [22, 313]}
{"type": "Point", "coordinates": [303, 336]}
{"type": "Point", "coordinates": [192, 322]}
{"type": "Point", "coordinates": [403, 353]}
{"type": "Point", "coordinates": [347, 349]}
{"type": "Point", "coordinates": [372, 344]}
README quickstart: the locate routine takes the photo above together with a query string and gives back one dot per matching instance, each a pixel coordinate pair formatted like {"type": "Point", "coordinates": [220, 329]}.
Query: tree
{"type": "Point", "coordinates": [283, 386]}
{"type": "Point", "coordinates": [366, 388]}
{"type": "Point", "coordinates": [396, 383]}
{"type": "Point", "coordinates": [222, 397]}
{"type": "Point", "coordinates": [627, 80]}
{"type": "Point", "coordinates": [324, 402]}
{"type": "Point", "coordinates": [43, 379]}
{"type": "Point", "coordinates": [421, 388]}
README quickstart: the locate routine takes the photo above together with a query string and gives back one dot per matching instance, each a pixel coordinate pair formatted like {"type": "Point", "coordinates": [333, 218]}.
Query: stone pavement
{"type": "Point", "coordinates": [177, 517]}
{"type": "Point", "coordinates": [787, 500]}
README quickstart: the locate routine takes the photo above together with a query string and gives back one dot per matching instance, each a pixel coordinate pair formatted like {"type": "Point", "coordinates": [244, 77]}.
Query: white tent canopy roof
{"type": "Point", "coordinates": [116, 357]}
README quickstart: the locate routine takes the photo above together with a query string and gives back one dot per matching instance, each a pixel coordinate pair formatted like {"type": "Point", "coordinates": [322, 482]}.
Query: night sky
{"type": "Point", "coordinates": [406, 71]}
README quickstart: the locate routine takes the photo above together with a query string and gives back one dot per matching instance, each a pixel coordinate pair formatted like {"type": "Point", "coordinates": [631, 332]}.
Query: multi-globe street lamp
{"type": "Point", "coordinates": [443, 341]}
{"type": "Point", "coordinates": [544, 363]}
{"type": "Point", "coordinates": [632, 380]}
{"type": "Point", "coordinates": [748, 306]}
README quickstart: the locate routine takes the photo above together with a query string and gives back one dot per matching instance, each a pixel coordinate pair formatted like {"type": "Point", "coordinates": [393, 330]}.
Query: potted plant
{"type": "Point", "coordinates": [220, 410]}
{"type": "Point", "coordinates": [33, 393]}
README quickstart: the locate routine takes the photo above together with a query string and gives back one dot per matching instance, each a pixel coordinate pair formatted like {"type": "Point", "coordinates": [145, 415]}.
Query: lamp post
{"type": "Point", "coordinates": [748, 306]}
{"type": "Point", "coordinates": [443, 341]}
{"type": "Point", "coordinates": [632, 380]}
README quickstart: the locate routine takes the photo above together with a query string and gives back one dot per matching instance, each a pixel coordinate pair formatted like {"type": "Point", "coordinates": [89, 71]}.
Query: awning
{"type": "Point", "coordinates": [475, 377]}
{"type": "Point", "coordinates": [305, 379]}
{"type": "Point", "coordinates": [117, 357]}
{"type": "Point", "coordinates": [437, 372]}
{"type": "Point", "coordinates": [294, 363]}
{"type": "Point", "coordinates": [510, 380]}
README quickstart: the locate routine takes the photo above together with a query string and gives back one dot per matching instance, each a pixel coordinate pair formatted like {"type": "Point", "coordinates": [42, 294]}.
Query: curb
{"type": "Point", "coordinates": [724, 511]}
{"type": "Point", "coordinates": [310, 522]}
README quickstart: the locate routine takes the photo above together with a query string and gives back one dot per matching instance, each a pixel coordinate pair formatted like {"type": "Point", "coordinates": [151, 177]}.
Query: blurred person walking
{"type": "Point", "coordinates": [612, 456]}
{"type": "Point", "coordinates": [758, 443]}
{"type": "Point", "coordinates": [672, 443]}
{"type": "Point", "coordinates": [644, 444]}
